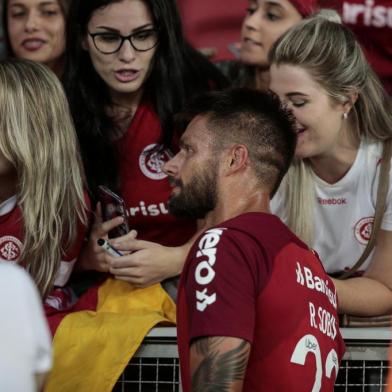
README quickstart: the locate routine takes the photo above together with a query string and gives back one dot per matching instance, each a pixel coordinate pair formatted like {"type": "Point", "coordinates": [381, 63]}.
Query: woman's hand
{"type": "Point", "coordinates": [93, 256]}
{"type": "Point", "coordinates": [148, 263]}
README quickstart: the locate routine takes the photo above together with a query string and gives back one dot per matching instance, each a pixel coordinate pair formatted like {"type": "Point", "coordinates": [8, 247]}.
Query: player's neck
{"type": "Point", "coordinates": [237, 203]}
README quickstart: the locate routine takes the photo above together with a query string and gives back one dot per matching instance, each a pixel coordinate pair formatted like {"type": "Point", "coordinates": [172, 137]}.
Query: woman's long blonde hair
{"type": "Point", "coordinates": [37, 136]}
{"type": "Point", "coordinates": [335, 60]}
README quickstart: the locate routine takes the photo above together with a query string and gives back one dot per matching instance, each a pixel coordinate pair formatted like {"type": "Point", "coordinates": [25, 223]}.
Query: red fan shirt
{"type": "Point", "coordinates": [371, 21]}
{"type": "Point", "coordinates": [11, 246]}
{"type": "Point", "coordinates": [253, 279]}
{"type": "Point", "coordinates": [144, 186]}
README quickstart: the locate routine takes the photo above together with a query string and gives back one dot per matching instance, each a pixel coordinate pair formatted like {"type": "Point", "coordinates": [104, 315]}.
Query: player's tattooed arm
{"type": "Point", "coordinates": [218, 364]}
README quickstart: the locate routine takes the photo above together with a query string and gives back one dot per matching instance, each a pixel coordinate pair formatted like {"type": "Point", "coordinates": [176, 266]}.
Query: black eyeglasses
{"type": "Point", "coordinates": [108, 43]}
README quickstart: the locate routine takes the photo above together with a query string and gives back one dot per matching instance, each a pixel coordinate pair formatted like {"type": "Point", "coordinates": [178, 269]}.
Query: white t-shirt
{"type": "Point", "coordinates": [344, 211]}
{"type": "Point", "coordinates": [25, 341]}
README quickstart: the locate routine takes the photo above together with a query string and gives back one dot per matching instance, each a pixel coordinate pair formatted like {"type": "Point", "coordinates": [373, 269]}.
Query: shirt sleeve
{"type": "Point", "coordinates": [223, 281]}
{"type": "Point", "coordinates": [42, 351]}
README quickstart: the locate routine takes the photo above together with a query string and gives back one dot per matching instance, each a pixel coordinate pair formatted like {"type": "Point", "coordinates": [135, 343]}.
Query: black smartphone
{"type": "Point", "coordinates": [112, 206]}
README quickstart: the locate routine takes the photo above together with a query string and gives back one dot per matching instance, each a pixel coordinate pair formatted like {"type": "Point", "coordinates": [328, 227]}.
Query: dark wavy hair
{"type": "Point", "coordinates": [178, 73]}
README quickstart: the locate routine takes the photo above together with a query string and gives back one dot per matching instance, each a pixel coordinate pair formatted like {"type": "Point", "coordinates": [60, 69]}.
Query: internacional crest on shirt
{"type": "Point", "coordinates": [151, 161]}
{"type": "Point", "coordinates": [363, 230]}
{"type": "Point", "coordinates": [10, 248]}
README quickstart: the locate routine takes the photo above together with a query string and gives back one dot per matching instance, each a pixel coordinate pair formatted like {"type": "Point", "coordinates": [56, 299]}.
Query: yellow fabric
{"type": "Point", "coordinates": [92, 348]}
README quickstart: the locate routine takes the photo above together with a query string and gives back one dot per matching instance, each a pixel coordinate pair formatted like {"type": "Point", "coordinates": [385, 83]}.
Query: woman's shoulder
{"type": "Point", "coordinates": [373, 150]}
{"type": "Point", "coordinates": [372, 163]}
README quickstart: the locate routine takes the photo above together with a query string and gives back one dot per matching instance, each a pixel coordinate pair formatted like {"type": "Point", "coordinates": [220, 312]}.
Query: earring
{"type": "Point", "coordinates": [345, 116]}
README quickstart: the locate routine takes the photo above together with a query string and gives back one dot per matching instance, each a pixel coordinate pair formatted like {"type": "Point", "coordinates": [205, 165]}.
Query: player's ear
{"type": "Point", "coordinates": [237, 158]}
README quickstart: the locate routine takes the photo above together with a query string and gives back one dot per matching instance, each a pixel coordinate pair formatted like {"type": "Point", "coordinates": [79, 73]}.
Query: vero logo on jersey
{"type": "Point", "coordinates": [204, 272]}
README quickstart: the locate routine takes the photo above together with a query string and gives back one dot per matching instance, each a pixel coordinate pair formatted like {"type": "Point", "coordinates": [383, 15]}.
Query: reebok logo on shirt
{"type": "Point", "coordinates": [204, 272]}
{"type": "Point", "coordinates": [332, 201]}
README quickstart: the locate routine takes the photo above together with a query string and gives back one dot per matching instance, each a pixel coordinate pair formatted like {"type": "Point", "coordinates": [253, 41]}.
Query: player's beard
{"type": "Point", "coordinates": [198, 197]}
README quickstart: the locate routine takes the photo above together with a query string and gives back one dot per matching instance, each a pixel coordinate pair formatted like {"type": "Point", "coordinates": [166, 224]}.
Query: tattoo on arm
{"type": "Point", "coordinates": [218, 370]}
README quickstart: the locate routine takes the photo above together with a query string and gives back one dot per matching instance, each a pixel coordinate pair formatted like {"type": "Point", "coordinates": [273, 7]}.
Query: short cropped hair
{"type": "Point", "coordinates": [253, 118]}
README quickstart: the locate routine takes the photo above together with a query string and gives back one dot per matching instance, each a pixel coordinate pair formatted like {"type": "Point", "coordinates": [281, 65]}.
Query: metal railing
{"type": "Point", "coordinates": [155, 367]}
{"type": "Point", "coordinates": [365, 365]}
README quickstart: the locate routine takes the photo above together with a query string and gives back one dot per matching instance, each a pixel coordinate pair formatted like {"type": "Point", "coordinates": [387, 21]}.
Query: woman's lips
{"type": "Point", "coordinates": [33, 44]}
{"type": "Point", "coordinates": [250, 42]}
{"type": "Point", "coordinates": [301, 130]}
{"type": "Point", "coordinates": [126, 75]}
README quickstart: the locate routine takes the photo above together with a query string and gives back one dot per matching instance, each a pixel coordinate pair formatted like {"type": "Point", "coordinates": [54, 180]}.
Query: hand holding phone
{"type": "Point", "coordinates": [113, 206]}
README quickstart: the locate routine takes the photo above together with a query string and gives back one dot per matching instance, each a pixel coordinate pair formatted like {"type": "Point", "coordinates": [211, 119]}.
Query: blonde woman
{"type": "Point", "coordinates": [329, 195]}
{"type": "Point", "coordinates": [42, 205]}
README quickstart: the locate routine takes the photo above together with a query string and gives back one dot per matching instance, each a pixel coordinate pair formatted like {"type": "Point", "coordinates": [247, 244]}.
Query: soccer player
{"type": "Point", "coordinates": [256, 310]}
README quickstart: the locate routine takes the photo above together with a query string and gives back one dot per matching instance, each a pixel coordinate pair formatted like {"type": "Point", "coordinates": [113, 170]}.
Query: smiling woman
{"type": "Point", "coordinates": [35, 30]}
{"type": "Point", "coordinates": [331, 193]}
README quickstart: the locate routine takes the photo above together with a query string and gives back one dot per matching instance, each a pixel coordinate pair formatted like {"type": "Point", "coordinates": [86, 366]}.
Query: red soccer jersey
{"type": "Point", "coordinates": [371, 21]}
{"type": "Point", "coordinates": [251, 278]}
{"type": "Point", "coordinates": [144, 186]}
{"type": "Point", "coordinates": [11, 245]}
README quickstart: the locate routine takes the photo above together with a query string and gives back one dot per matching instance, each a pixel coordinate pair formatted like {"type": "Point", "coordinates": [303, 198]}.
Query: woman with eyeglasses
{"type": "Point", "coordinates": [128, 71]}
